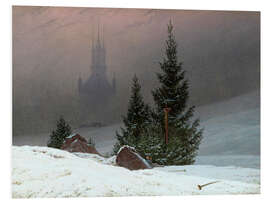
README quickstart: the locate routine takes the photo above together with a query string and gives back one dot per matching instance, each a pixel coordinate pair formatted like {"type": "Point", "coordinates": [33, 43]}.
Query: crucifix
{"type": "Point", "coordinates": [166, 110]}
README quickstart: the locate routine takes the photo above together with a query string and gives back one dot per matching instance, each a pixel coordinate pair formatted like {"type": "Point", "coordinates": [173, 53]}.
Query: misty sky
{"type": "Point", "coordinates": [52, 48]}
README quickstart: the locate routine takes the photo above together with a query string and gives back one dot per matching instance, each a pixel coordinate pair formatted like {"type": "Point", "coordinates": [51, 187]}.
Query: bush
{"type": "Point", "coordinates": [59, 135]}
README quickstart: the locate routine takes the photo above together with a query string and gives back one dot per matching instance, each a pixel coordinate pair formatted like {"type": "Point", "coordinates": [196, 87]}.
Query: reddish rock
{"type": "Point", "coordinates": [77, 143]}
{"type": "Point", "coordinates": [128, 157]}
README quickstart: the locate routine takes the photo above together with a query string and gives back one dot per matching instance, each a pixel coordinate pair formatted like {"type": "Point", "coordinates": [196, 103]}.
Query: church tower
{"type": "Point", "coordinates": [114, 83]}
{"type": "Point", "coordinates": [80, 84]}
{"type": "Point", "coordinates": [98, 66]}
{"type": "Point", "coordinates": [96, 90]}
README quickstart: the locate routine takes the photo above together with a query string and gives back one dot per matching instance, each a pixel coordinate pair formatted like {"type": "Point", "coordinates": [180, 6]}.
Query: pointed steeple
{"type": "Point", "coordinates": [93, 50]}
{"type": "Point", "coordinates": [98, 40]}
{"type": "Point", "coordinates": [80, 84]}
{"type": "Point", "coordinates": [114, 83]}
{"type": "Point", "coordinates": [103, 42]}
{"type": "Point", "coordinates": [92, 37]}
{"type": "Point", "coordinates": [98, 78]}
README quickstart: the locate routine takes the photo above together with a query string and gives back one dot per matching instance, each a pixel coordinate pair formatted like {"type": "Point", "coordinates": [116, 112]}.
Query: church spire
{"type": "Point", "coordinates": [114, 83]}
{"type": "Point", "coordinates": [92, 37]}
{"type": "Point", "coordinates": [103, 42]}
{"type": "Point", "coordinates": [93, 52]}
{"type": "Point", "coordinates": [98, 40]}
{"type": "Point", "coordinates": [98, 78]}
{"type": "Point", "coordinates": [80, 84]}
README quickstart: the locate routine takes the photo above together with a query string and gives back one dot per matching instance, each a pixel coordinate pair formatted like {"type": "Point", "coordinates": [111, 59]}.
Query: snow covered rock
{"type": "Point", "coordinates": [128, 157]}
{"type": "Point", "coordinates": [77, 143]}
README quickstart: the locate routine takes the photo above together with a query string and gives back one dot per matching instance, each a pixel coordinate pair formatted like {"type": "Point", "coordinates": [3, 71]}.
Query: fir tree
{"type": "Point", "coordinates": [173, 93]}
{"type": "Point", "coordinates": [59, 135]}
{"type": "Point", "coordinates": [136, 120]}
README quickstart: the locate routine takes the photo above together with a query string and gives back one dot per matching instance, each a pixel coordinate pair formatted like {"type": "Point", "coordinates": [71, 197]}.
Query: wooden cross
{"type": "Point", "coordinates": [166, 110]}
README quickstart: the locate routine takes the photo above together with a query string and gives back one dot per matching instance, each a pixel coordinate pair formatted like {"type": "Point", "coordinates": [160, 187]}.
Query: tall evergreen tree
{"type": "Point", "coordinates": [59, 135]}
{"type": "Point", "coordinates": [136, 120]}
{"type": "Point", "coordinates": [173, 93]}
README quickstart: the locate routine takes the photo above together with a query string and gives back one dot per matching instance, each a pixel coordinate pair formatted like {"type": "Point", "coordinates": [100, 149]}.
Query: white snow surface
{"type": "Point", "coordinates": [48, 172]}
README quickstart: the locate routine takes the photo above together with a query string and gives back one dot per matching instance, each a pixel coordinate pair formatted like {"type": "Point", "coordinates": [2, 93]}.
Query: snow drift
{"type": "Point", "coordinates": [47, 172]}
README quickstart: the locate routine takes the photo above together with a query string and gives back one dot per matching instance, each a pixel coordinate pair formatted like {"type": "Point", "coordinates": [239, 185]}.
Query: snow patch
{"type": "Point", "coordinates": [97, 158]}
{"type": "Point", "coordinates": [71, 136]}
{"type": "Point", "coordinates": [126, 146]}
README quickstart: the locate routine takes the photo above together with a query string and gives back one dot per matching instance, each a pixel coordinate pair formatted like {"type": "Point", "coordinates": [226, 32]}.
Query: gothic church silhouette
{"type": "Point", "coordinates": [96, 91]}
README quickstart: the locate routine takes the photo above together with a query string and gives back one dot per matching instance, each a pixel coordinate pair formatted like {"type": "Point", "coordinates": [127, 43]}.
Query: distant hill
{"type": "Point", "coordinates": [232, 126]}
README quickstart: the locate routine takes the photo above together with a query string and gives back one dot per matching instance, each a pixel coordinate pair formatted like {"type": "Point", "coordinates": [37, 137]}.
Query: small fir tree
{"type": "Point", "coordinates": [173, 93]}
{"type": "Point", "coordinates": [136, 120]}
{"type": "Point", "coordinates": [59, 135]}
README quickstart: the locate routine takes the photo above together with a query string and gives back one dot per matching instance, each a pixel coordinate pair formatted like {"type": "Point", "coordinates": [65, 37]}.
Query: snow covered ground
{"type": "Point", "coordinates": [47, 172]}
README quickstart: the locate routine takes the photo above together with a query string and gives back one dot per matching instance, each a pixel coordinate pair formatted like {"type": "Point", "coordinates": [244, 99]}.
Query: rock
{"type": "Point", "coordinates": [77, 143]}
{"type": "Point", "coordinates": [128, 157]}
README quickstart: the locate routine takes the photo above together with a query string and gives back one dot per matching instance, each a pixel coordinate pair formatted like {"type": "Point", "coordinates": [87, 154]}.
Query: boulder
{"type": "Point", "coordinates": [77, 143]}
{"type": "Point", "coordinates": [128, 157]}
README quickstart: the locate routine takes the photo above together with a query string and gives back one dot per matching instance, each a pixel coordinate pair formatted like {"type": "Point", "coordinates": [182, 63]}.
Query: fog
{"type": "Point", "coordinates": [51, 49]}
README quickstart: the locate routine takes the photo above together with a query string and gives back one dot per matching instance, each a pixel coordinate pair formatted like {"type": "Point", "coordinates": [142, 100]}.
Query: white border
{"type": "Point", "coordinates": [6, 82]}
{"type": "Point", "coordinates": [168, 4]}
